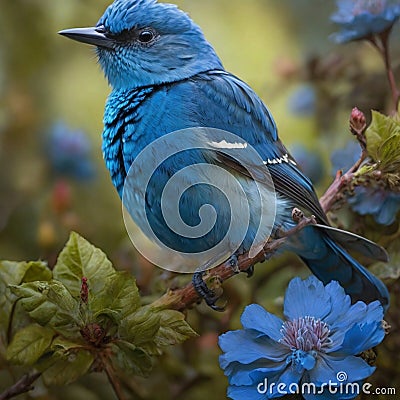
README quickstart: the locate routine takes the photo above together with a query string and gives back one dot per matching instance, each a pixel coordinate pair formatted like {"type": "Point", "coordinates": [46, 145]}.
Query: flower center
{"type": "Point", "coordinates": [306, 334]}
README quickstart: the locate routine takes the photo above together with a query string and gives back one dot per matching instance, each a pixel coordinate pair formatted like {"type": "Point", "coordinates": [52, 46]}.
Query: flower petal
{"type": "Point", "coordinates": [240, 374]}
{"type": "Point", "coordinates": [352, 392]}
{"type": "Point", "coordinates": [283, 384]}
{"type": "Point", "coordinates": [358, 313]}
{"type": "Point", "coordinates": [331, 369]}
{"type": "Point", "coordinates": [340, 301]}
{"type": "Point", "coordinates": [306, 298]}
{"type": "Point", "coordinates": [362, 337]}
{"type": "Point", "coordinates": [244, 347]}
{"type": "Point", "coordinates": [256, 317]}
{"type": "Point", "coordinates": [361, 19]}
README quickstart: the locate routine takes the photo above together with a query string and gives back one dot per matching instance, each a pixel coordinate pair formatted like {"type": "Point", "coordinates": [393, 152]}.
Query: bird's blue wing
{"type": "Point", "coordinates": [244, 114]}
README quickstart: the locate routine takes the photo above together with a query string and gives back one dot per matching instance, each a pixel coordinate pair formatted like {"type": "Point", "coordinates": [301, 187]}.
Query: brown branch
{"type": "Point", "coordinates": [182, 298]}
{"type": "Point", "coordinates": [335, 190]}
{"type": "Point", "coordinates": [113, 381]}
{"type": "Point", "coordinates": [22, 386]}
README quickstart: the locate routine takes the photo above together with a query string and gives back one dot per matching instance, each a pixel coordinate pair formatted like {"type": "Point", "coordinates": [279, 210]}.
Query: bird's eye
{"type": "Point", "coordinates": [146, 36]}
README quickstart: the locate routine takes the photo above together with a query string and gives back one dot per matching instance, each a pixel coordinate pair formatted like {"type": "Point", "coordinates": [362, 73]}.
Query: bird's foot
{"type": "Point", "coordinates": [210, 295]}
{"type": "Point", "coordinates": [234, 263]}
{"type": "Point", "coordinates": [249, 271]}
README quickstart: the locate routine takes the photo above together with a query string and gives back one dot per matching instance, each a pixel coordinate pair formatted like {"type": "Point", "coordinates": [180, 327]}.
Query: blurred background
{"type": "Point", "coordinates": [53, 179]}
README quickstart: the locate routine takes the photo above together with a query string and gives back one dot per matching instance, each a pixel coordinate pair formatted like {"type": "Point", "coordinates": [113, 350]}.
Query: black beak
{"type": "Point", "coordinates": [95, 36]}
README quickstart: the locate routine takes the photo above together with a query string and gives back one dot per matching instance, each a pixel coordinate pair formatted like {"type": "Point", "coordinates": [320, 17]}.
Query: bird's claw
{"type": "Point", "coordinates": [234, 264]}
{"type": "Point", "coordinates": [210, 296]}
{"type": "Point", "coordinates": [249, 271]}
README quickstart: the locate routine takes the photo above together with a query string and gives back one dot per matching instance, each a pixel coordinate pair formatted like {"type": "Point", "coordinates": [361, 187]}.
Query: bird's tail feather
{"type": "Point", "coordinates": [351, 241]}
{"type": "Point", "coordinates": [329, 261]}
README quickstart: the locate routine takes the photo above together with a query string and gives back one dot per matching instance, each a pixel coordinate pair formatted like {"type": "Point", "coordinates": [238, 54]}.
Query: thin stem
{"type": "Point", "coordinates": [381, 43]}
{"type": "Point", "coordinates": [341, 181]}
{"type": "Point", "coordinates": [114, 381]}
{"type": "Point", "coordinates": [389, 69]}
{"type": "Point", "coordinates": [23, 385]}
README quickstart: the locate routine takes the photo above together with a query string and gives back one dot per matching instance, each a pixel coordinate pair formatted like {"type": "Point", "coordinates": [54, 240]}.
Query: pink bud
{"type": "Point", "coordinates": [84, 291]}
{"type": "Point", "coordinates": [358, 122]}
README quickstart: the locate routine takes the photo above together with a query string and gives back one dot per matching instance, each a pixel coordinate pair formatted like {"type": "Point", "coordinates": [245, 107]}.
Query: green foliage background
{"type": "Point", "coordinates": [276, 46]}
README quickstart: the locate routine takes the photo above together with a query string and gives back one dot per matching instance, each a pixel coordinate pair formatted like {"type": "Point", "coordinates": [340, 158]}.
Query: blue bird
{"type": "Point", "coordinates": [166, 77]}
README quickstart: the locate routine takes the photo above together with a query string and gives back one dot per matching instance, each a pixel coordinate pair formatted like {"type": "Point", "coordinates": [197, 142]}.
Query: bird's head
{"type": "Point", "coordinates": [143, 42]}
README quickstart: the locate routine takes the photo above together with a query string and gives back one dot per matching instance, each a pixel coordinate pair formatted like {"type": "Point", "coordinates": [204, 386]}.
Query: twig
{"type": "Point", "coordinates": [381, 43]}
{"type": "Point", "coordinates": [182, 298]}
{"type": "Point", "coordinates": [113, 381]}
{"type": "Point", "coordinates": [341, 181]}
{"type": "Point", "coordinates": [22, 386]}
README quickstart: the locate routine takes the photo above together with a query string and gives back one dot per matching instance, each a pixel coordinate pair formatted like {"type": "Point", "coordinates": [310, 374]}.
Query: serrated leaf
{"type": "Point", "coordinates": [68, 367]}
{"type": "Point", "coordinates": [119, 298]}
{"type": "Point", "coordinates": [130, 359]}
{"type": "Point", "coordinates": [383, 141]}
{"type": "Point", "coordinates": [29, 344]}
{"type": "Point", "coordinates": [80, 259]}
{"type": "Point", "coordinates": [173, 329]}
{"type": "Point", "coordinates": [51, 304]}
{"type": "Point", "coordinates": [151, 328]}
{"type": "Point", "coordinates": [140, 327]}
{"type": "Point", "coordinates": [37, 271]}
{"type": "Point", "coordinates": [14, 273]}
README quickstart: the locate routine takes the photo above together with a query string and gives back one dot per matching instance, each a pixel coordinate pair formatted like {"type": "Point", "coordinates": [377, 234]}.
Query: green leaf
{"type": "Point", "coordinates": [173, 329]}
{"type": "Point", "coordinates": [68, 367]}
{"type": "Point", "coordinates": [383, 141]}
{"type": "Point", "coordinates": [119, 298]}
{"type": "Point", "coordinates": [29, 344]}
{"type": "Point", "coordinates": [141, 327]}
{"type": "Point", "coordinates": [51, 304]}
{"type": "Point", "coordinates": [152, 328]}
{"type": "Point", "coordinates": [14, 273]}
{"type": "Point", "coordinates": [62, 343]}
{"type": "Point", "coordinates": [37, 271]}
{"type": "Point", "coordinates": [80, 259]}
{"type": "Point", "coordinates": [129, 359]}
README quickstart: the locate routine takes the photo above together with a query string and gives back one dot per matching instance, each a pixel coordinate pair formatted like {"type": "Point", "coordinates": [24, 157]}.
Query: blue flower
{"type": "Point", "coordinates": [344, 159]}
{"type": "Point", "coordinates": [303, 101]}
{"type": "Point", "coordinates": [309, 161]}
{"type": "Point", "coordinates": [68, 152]}
{"type": "Point", "coordinates": [382, 204]}
{"type": "Point", "coordinates": [317, 344]}
{"type": "Point", "coordinates": [361, 19]}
